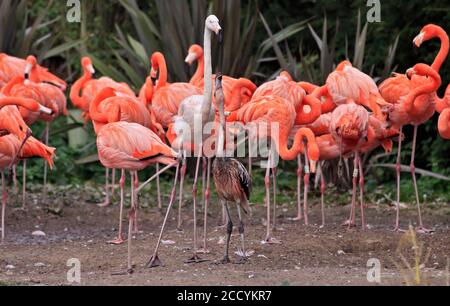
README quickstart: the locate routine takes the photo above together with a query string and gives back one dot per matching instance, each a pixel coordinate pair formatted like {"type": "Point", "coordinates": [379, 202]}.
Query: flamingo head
{"type": "Point", "coordinates": [428, 32]}
{"type": "Point", "coordinates": [87, 65]}
{"type": "Point", "coordinates": [342, 65]}
{"type": "Point", "coordinates": [31, 63]}
{"type": "Point", "coordinates": [154, 61]}
{"type": "Point", "coordinates": [194, 53]}
{"type": "Point", "coordinates": [212, 24]}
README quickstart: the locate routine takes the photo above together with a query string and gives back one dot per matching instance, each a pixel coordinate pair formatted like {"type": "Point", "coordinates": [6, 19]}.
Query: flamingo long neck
{"type": "Point", "coordinates": [236, 93]}
{"type": "Point", "coordinates": [444, 124]}
{"type": "Point", "coordinates": [443, 52]}
{"type": "Point", "coordinates": [148, 91]}
{"type": "Point", "coordinates": [28, 104]}
{"type": "Point", "coordinates": [295, 150]}
{"type": "Point", "coordinates": [313, 115]}
{"type": "Point", "coordinates": [94, 112]}
{"type": "Point", "coordinates": [443, 103]}
{"type": "Point", "coordinates": [198, 75]}
{"type": "Point", "coordinates": [428, 88]}
{"type": "Point", "coordinates": [162, 67]}
{"type": "Point", "coordinates": [6, 90]}
{"type": "Point", "coordinates": [207, 92]}
{"type": "Point", "coordinates": [75, 92]}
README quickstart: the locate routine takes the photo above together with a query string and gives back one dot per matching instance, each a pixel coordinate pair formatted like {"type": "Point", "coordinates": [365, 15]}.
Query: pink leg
{"type": "Point", "coordinates": [322, 194]}
{"type": "Point", "coordinates": [24, 184]}
{"type": "Point", "coordinates": [398, 171]}
{"type": "Point", "coordinates": [4, 199]}
{"type": "Point", "coordinates": [180, 203]}
{"type": "Point", "coordinates": [305, 192]}
{"type": "Point", "coordinates": [274, 178]}
{"type": "Point", "coordinates": [158, 188]}
{"type": "Point", "coordinates": [154, 260]}
{"type": "Point", "coordinates": [14, 172]}
{"type": "Point", "coordinates": [299, 189]}
{"type": "Point", "coordinates": [421, 228]}
{"type": "Point", "coordinates": [195, 258]}
{"type": "Point", "coordinates": [205, 217]}
{"type": "Point", "coordinates": [361, 192]}
{"type": "Point", "coordinates": [131, 221]}
{"type": "Point", "coordinates": [250, 162]}
{"type": "Point", "coordinates": [204, 165]}
{"type": "Point", "coordinates": [119, 239]}
{"type": "Point", "coordinates": [113, 182]}
{"type": "Point", "coordinates": [351, 222]}
{"type": "Point", "coordinates": [44, 190]}
{"type": "Point", "coordinates": [106, 202]}
{"type": "Point", "coordinates": [136, 201]}
{"type": "Point", "coordinates": [269, 238]}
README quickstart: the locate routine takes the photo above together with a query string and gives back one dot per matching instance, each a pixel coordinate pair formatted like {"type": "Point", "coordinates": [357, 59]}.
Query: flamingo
{"type": "Point", "coordinates": [194, 112]}
{"type": "Point", "coordinates": [47, 95]}
{"type": "Point", "coordinates": [233, 182]}
{"type": "Point", "coordinates": [443, 108]}
{"type": "Point", "coordinates": [237, 92]}
{"type": "Point", "coordinates": [14, 134]}
{"type": "Point", "coordinates": [111, 106]}
{"type": "Point", "coordinates": [349, 127]}
{"type": "Point", "coordinates": [259, 115]}
{"type": "Point", "coordinates": [132, 147]}
{"type": "Point", "coordinates": [11, 67]}
{"type": "Point", "coordinates": [413, 102]}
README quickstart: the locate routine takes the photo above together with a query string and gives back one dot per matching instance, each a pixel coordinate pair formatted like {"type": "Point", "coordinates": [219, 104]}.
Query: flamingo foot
{"type": "Point", "coordinates": [104, 204]}
{"type": "Point", "coordinates": [195, 260]}
{"type": "Point", "coordinates": [349, 223]}
{"type": "Point", "coordinates": [154, 262]}
{"type": "Point", "coordinates": [298, 218]}
{"type": "Point", "coordinates": [271, 240]}
{"type": "Point", "coordinates": [117, 241]}
{"type": "Point", "coordinates": [423, 230]}
{"type": "Point", "coordinates": [127, 272]}
{"type": "Point", "coordinates": [398, 230]}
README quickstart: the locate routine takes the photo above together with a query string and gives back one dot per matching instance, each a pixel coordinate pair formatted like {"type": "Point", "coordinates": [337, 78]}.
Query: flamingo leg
{"type": "Point", "coordinates": [154, 260]}
{"type": "Point", "coordinates": [44, 190]}
{"type": "Point", "coordinates": [4, 199]}
{"type": "Point", "coordinates": [24, 183]}
{"type": "Point", "coordinates": [135, 180]}
{"type": "Point", "coordinates": [421, 228]}
{"type": "Point", "coordinates": [106, 202]}
{"type": "Point", "coordinates": [119, 239]}
{"type": "Point", "coordinates": [322, 194]}
{"type": "Point", "coordinates": [351, 221]}
{"type": "Point", "coordinates": [242, 252]}
{"type": "Point", "coordinates": [361, 192]}
{"type": "Point", "coordinates": [195, 258]}
{"type": "Point", "coordinates": [131, 221]}
{"type": "Point", "coordinates": [158, 188]}
{"type": "Point", "coordinates": [398, 172]}
{"type": "Point", "coordinates": [274, 178]}
{"type": "Point", "coordinates": [226, 257]}
{"type": "Point", "coordinates": [250, 155]}
{"type": "Point", "coordinates": [269, 238]}
{"type": "Point", "coordinates": [306, 188]}
{"type": "Point", "coordinates": [205, 217]}
{"type": "Point", "coordinates": [299, 188]}
{"type": "Point", "coordinates": [14, 172]}
{"type": "Point", "coordinates": [180, 203]}
{"type": "Point", "coordinates": [204, 165]}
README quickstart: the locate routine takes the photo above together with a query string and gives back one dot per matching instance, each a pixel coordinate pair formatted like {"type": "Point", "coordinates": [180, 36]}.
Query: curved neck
{"type": "Point", "coordinates": [29, 104]}
{"type": "Point", "coordinates": [444, 124]}
{"type": "Point", "coordinates": [94, 112]}
{"type": "Point", "coordinates": [162, 67]}
{"type": "Point", "coordinates": [443, 52]}
{"type": "Point", "coordinates": [428, 88]}
{"type": "Point", "coordinates": [148, 91]}
{"type": "Point", "coordinates": [236, 93]}
{"type": "Point", "coordinates": [308, 87]}
{"type": "Point", "coordinates": [207, 92]}
{"type": "Point", "coordinates": [75, 92]}
{"type": "Point", "coordinates": [6, 90]}
{"type": "Point", "coordinates": [443, 103]}
{"type": "Point", "coordinates": [198, 75]}
{"type": "Point", "coordinates": [313, 115]}
{"type": "Point", "coordinates": [297, 147]}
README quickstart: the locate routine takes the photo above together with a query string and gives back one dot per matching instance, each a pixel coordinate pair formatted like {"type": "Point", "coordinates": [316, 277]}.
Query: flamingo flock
{"type": "Point", "coordinates": [166, 123]}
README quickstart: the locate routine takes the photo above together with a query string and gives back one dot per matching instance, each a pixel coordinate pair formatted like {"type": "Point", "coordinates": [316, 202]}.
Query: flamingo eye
{"type": "Point", "coordinates": [20, 128]}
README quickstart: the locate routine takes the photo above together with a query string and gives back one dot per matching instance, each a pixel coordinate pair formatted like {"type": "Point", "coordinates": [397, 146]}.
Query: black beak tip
{"type": "Point", "coordinates": [220, 36]}
{"type": "Point", "coordinates": [27, 76]}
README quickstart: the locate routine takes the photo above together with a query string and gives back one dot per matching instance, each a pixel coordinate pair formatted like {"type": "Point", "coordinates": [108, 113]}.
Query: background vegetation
{"type": "Point", "coordinates": [260, 37]}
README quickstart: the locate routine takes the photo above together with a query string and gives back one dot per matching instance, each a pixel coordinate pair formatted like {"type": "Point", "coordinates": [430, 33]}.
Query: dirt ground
{"type": "Point", "coordinates": [75, 227]}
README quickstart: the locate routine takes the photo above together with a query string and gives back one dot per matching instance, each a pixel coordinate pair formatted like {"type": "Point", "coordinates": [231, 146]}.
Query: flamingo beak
{"type": "Point", "coordinates": [410, 72]}
{"type": "Point", "coordinates": [313, 165]}
{"type": "Point", "coordinates": [217, 29]}
{"type": "Point", "coordinates": [190, 58]}
{"type": "Point", "coordinates": [27, 72]}
{"type": "Point", "coordinates": [153, 73]}
{"type": "Point", "coordinates": [45, 110]}
{"type": "Point", "coordinates": [419, 39]}
{"type": "Point", "coordinates": [91, 69]}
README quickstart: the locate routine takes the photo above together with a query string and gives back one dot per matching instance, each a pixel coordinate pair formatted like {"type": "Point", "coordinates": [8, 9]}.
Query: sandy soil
{"type": "Point", "coordinates": [76, 228]}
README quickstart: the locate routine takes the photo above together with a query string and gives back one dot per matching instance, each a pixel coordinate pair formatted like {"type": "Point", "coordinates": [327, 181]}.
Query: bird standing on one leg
{"type": "Point", "coordinates": [232, 181]}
